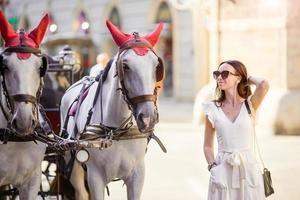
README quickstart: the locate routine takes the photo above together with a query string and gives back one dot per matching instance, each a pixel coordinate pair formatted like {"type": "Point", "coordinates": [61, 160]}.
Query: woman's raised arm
{"type": "Point", "coordinates": [262, 87]}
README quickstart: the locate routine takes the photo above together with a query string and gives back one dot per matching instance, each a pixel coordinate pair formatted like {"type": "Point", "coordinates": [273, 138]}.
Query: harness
{"type": "Point", "coordinates": [42, 131]}
{"type": "Point", "coordinates": [126, 130]}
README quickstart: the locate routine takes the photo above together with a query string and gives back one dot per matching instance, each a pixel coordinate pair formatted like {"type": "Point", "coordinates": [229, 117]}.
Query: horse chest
{"type": "Point", "coordinates": [119, 160]}
{"type": "Point", "coordinates": [18, 161]}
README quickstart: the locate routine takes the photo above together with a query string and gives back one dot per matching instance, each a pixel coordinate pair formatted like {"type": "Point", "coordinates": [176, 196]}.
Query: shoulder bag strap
{"type": "Point", "coordinates": [255, 137]}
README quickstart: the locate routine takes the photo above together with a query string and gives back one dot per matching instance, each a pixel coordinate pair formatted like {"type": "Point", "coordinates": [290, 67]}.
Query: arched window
{"type": "Point", "coordinates": [109, 46]}
{"type": "Point", "coordinates": [165, 46]}
{"type": "Point", "coordinates": [114, 17]}
{"type": "Point", "coordinates": [164, 14]}
{"type": "Point", "coordinates": [83, 23]}
{"type": "Point", "coordinates": [53, 26]}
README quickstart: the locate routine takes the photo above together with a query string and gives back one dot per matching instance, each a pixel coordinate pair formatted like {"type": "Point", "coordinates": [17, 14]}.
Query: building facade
{"type": "Point", "coordinates": [264, 35]}
{"type": "Point", "coordinates": [198, 35]}
{"type": "Point", "coordinates": [176, 45]}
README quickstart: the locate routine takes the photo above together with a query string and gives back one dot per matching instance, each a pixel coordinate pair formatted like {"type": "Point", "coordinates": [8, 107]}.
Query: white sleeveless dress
{"type": "Point", "coordinates": [237, 175]}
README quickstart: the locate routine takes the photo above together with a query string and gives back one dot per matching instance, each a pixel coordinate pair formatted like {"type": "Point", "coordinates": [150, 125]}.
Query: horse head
{"type": "Point", "coordinates": [139, 69]}
{"type": "Point", "coordinates": [22, 67]}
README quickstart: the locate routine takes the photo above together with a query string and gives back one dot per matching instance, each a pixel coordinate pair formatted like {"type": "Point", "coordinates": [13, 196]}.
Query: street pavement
{"type": "Point", "coordinates": [182, 174]}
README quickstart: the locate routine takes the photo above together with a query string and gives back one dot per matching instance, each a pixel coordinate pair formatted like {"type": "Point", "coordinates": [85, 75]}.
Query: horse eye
{"type": "Point", "coordinates": [4, 67]}
{"type": "Point", "coordinates": [126, 67]}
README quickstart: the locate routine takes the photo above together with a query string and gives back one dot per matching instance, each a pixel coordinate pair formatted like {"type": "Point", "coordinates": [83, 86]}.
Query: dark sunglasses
{"type": "Point", "coordinates": [224, 74]}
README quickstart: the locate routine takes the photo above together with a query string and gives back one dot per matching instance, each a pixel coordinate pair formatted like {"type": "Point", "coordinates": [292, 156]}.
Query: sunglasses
{"type": "Point", "coordinates": [224, 74]}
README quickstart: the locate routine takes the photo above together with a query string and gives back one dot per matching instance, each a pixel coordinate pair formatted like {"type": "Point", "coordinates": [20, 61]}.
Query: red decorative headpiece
{"type": "Point", "coordinates": [32, 39]}
{"type": "Point", "coordinates": [121, 38]}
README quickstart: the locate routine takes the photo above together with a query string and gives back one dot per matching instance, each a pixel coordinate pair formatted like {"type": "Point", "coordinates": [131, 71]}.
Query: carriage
{"type": "Point", "coordinates": [122, 95]}
{"type": "Point", "coordinates": [59, 77]}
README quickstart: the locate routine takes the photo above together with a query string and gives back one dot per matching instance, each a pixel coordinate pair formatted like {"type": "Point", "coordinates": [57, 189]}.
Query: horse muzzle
{"type": "Point", "coordinates": [146, 123]}
{"type": "Point", "coordinates": [22, 128]}
{"type": "Point", "coordinates": [24, 120]}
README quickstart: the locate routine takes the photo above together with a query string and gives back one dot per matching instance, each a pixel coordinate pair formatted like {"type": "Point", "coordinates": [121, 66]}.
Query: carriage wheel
{"type": "Point", "coordinates": [49, 175]}
{"type": "Point", "coordinates": [53, 183]}
{"type": "Point", "coordinates": [7, 192]}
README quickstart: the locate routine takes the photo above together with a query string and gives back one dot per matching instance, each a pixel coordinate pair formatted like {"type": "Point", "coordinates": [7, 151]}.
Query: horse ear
{"type": "Point", "coordinates": [119, 37]}
{"type": "Point", "coordinates": [7, 31]}
{"type": "Point", "coordinates": [38, 33]}
{"type": "Point", "coordinates": [153, 37]}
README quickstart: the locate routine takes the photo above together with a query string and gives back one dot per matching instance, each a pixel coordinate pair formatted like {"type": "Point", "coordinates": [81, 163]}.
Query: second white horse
{"type": "Point", "coordinates": [130, 88]}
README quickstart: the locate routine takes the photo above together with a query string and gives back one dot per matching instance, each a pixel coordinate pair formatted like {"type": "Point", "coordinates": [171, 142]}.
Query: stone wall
{"type": "Point", "coordinates": [293, 44]}
{"type": "Point", "coordinates": [254, 33]}
{"type": "Point", "coordinates": [287, 118]}
{"type": "Point", "coordinates": [264, 35]}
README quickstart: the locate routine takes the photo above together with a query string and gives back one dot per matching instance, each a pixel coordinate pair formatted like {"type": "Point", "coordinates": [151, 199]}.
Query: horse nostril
{"type": "Point", "coordinates": [33, 123]}
{"type": "Point", "coordinates": [140, 117]}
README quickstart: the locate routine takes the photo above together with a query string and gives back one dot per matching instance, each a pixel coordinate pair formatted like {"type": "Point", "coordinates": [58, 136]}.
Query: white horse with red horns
{"type": "Point", "coordinates": [105, 109]}
{"type": "Point", "coordinates": [22, 67]}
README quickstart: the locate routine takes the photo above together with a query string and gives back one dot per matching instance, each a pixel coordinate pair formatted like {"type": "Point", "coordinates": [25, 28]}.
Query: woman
{"type": "Point", "coordinates": [235, 173]}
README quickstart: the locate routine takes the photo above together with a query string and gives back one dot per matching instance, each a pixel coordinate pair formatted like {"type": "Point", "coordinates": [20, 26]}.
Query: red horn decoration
{"type": "Point", "coordinates": [119, 37]}
{"type": "Point", "coordinates": [153, 37]}
{"type": "Point", "coordinates": [39, 32]}
{"type": "Point", "coordinates": [7, 31]}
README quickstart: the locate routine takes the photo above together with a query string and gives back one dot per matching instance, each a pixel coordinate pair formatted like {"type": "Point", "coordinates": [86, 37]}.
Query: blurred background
{"type": "Point", "coordinates": [198, 35]}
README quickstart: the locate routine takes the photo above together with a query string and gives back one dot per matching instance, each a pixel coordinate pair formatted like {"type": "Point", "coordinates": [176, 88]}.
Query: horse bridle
{"type": "Point", "coordinates": [120, 72]}
{"type": "Point", "coordinates": [131, 102]}
{"type": "Point", "coordinates": [10, 99]}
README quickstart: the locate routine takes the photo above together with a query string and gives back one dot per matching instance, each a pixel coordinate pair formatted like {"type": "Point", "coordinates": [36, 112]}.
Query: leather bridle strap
{"type": "Point", "coordinates": [21, 49]}
{"type": "Point", "coordinates": [142, 98]}
{"type": "Point", "coordinates": [136, 44]}
{"type": "Point", "coordinates": [24, 98]}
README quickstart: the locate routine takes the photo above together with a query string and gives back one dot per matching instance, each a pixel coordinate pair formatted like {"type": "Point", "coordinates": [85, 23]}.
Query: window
{"type": "Point", "coordinates": [114, 17]}
{"type": "Point", "coordinates": [83, 23]}
{"type": "Point", "coordinates": [163, 14]}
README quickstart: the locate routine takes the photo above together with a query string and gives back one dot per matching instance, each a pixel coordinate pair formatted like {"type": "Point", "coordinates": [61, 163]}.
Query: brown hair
{"type": "Point", "coordinates": [243, 87]}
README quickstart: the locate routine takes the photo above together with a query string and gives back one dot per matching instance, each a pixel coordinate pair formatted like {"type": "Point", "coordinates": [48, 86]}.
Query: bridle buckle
{"type": "Point", "coordinates": [22, 37]}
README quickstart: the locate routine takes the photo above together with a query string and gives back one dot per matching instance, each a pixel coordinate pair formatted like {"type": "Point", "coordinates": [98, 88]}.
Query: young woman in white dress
{"type": "Point", "coordinates": [235, 173]}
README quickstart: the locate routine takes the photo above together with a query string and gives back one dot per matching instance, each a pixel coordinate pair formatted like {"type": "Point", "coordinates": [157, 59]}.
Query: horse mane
{"type": "Point", "coordinates": [105, 70]}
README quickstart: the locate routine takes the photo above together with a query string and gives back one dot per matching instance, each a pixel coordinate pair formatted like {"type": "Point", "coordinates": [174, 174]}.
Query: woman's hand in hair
{"type": "Point", "coordinates": [262, 87]}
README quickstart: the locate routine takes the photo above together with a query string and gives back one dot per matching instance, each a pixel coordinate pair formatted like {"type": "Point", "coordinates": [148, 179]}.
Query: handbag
{"type": "Point", "coordinates": [268, 186]}
{"type": "Point", "coordinates": [268, 182]}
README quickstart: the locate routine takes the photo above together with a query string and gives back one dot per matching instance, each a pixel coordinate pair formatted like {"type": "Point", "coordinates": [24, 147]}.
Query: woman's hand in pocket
{"type": "Point", "coordinates": [218, 176]}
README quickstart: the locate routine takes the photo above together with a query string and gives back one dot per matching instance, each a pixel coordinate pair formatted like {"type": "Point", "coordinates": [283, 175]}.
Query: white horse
{"type": "Point", "coordinates": [22, 68]}
{"type": "Point", "coordinates": [136, 70]}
